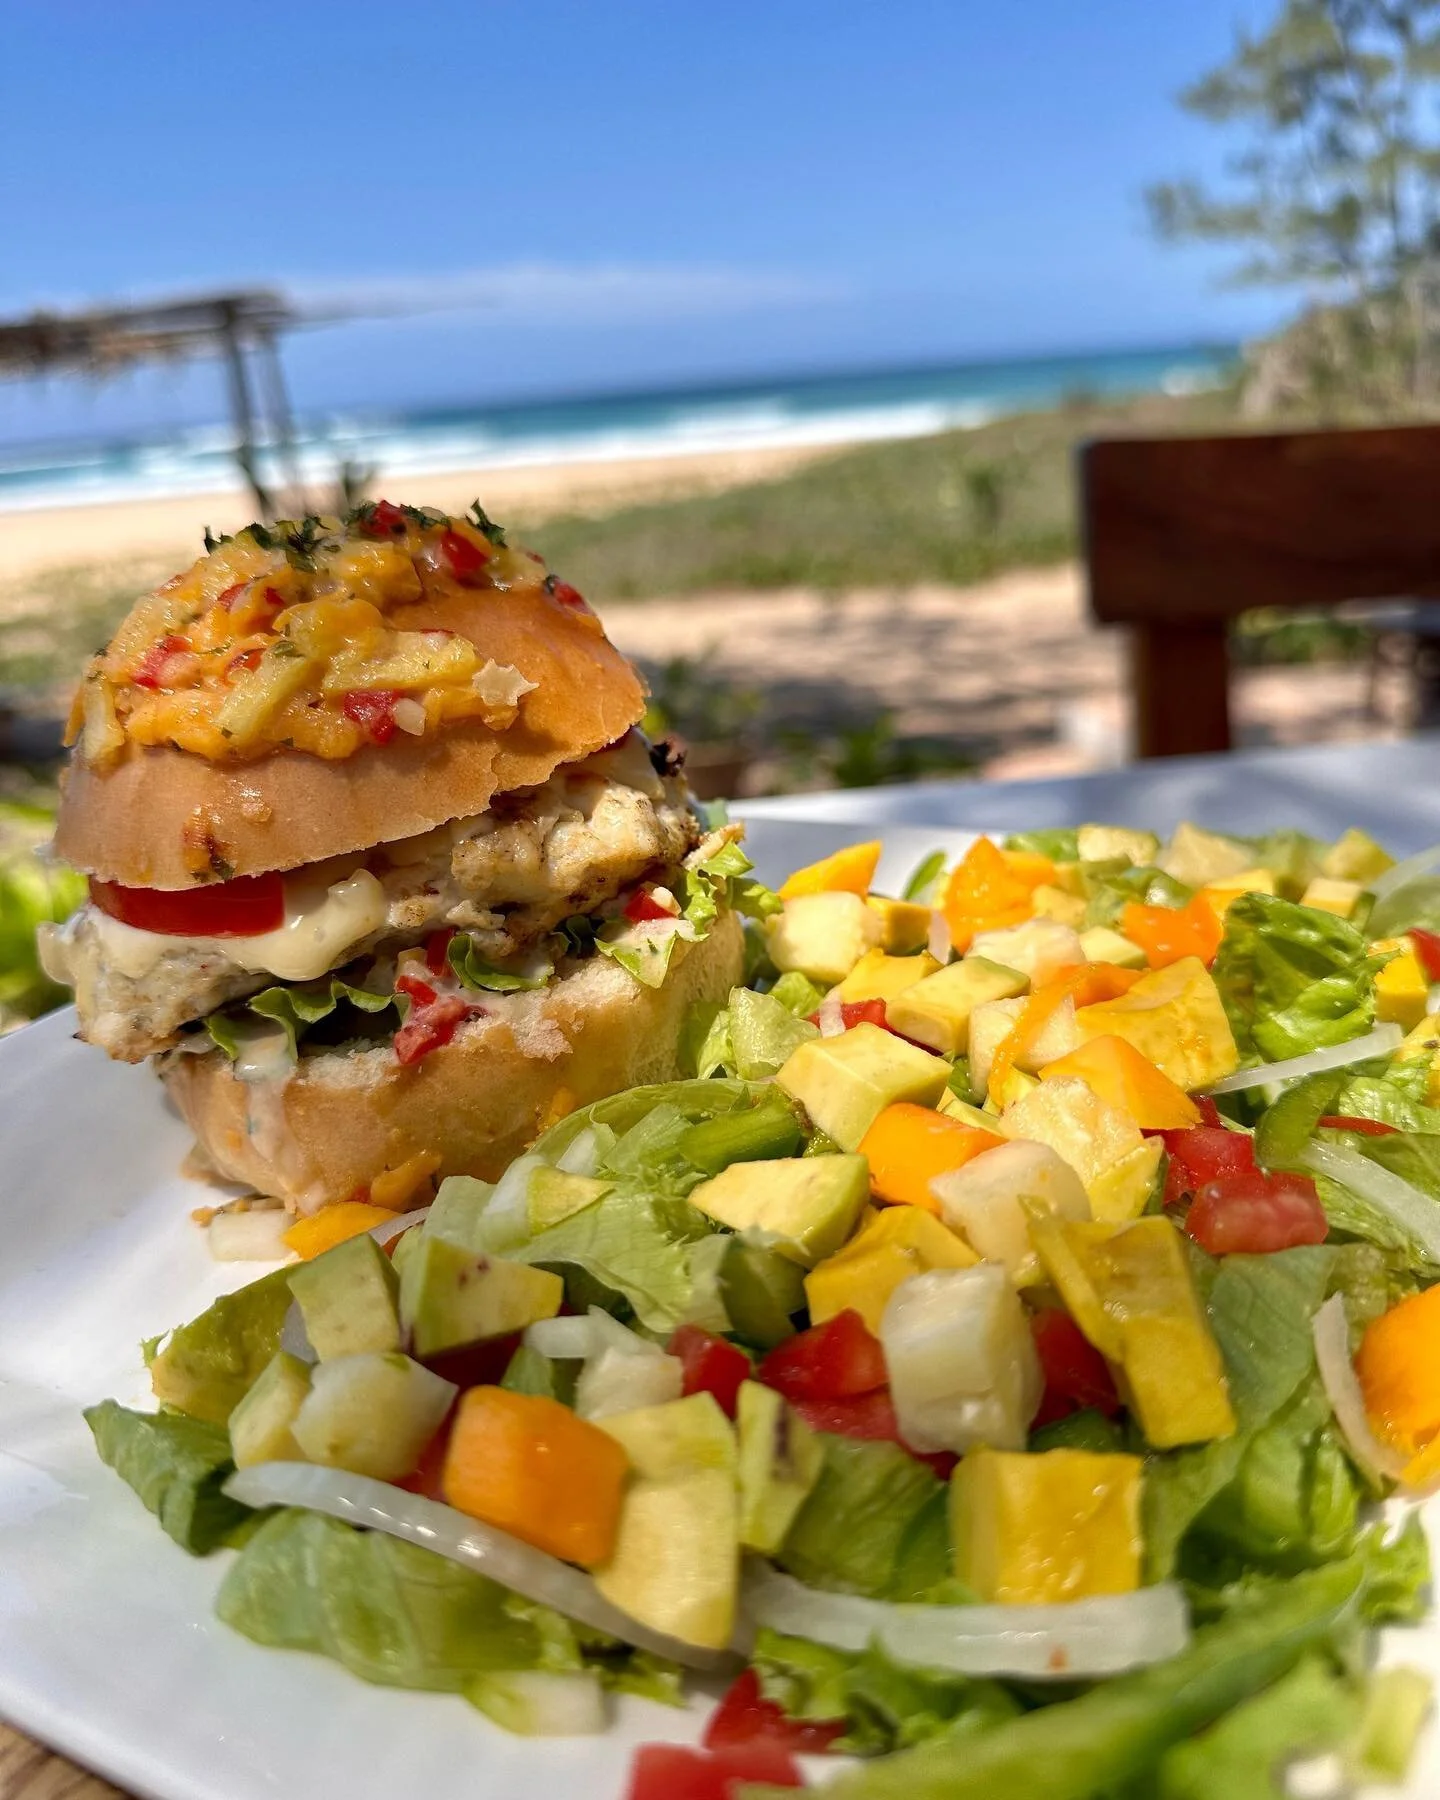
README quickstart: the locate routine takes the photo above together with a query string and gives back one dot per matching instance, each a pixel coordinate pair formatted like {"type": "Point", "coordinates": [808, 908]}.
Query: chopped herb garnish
{"type": "Point", "coordinates": [482, 521]}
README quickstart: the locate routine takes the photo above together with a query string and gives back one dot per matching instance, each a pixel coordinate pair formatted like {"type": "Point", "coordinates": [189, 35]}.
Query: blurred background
{"type": "Point", "coordinates": [774, 327]}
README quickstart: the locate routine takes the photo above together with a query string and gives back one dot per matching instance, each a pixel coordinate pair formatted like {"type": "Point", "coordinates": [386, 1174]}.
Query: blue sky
{"type": "Point", "coordinates": [639, 191]}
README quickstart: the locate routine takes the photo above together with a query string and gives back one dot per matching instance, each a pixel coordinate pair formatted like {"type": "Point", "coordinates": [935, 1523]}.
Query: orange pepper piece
{"type": "Point", "coordinates": [1115, 1070]}
{"type": "Point", "coordinates": [530, 1466]}
{"type": "Point", "coordinates": [1087, 985]}
{"type": "Point", "coordinates": [1167, 934]}
{"type": "Point", "coordinates": [332, 1225]}
{"type": "Point", "coordinates": [990, 889]}
{"type": "Point", "coordinates": [1398, 1367]}
{"type": "Point", "coordinates": [848, 871]}
{"type": "Point", "coordinates": [909, 1145]}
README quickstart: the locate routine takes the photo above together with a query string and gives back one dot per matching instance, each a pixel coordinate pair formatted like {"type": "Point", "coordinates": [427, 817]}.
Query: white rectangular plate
{"type": "Point", "coordinates": [109, 1650]}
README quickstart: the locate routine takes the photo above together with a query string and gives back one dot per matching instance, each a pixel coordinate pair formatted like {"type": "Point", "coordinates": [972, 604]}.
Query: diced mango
{"type": "Point", "coordinates": [1176, 1019]}
{"type": "Point", "coordinates": [1090, 1133]}
{"type": "Point", "coordinates": [1326, 894]}
{"type": "Point", "coordinates": [396, 1188]}
{"type": "Point", "coordinates": [990, 889]}
{"type": "Point", "coordinates": [936, 1011]}
{"type": "Point", "coordinates": [1401, 991]}
{"type": "Point", "coordinates": [1129, 1289]}
{"type": "Point", "coordinates": [1030, 1529]}
{"type": "Point", "coordinates": [332, 1225]}
{"type": "Point", "coordinates": [1171, 934]}
{"type": "Point", "coordinates": [848, 871]}
{"type": "Point", "coordinates": [908, 1146]}
{"type": "Point", "coordinates": [880, 977]}
{"type": "Point", "coordinates": [904, 925]}
{"type": "Point", "coordinates": [1119, 1074]}
{"type": "Point", "coordinates": [1398, 1366]}
{"type": "Point", "coordinates": [891, 1245]}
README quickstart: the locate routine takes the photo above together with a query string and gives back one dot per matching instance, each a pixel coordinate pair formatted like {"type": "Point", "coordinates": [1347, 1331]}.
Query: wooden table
{"type": "Point", "coordinates": [30, 1772]}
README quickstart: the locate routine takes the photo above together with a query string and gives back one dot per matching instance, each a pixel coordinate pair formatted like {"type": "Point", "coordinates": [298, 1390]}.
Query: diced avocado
{"type": "Point", "coordinates": [1326, 894]}
{"type": "Point", "coordinates": [780, 1459]}
{"type": "Point", "coordinates": [553, 1195]}
{"type": "Point", "coordinates": [1040, 949]}
{"type": "Point", "coordinates": [880, 977]}
{"type": "Point", "coordinates": [1031, 1529]}
{"type": "Point", "coordinates": [1356, 857]}
{"type": "Point", "coordinates": [1108, 843]}
{"type": "Point", "coordinates": [993, 1198]}
{"type": "Point", "coordinates": [846, 1082]}
{"type": "Point", "coordinates": [990, 1025]}
{"type": "Point", "coordinates": [1198, 857]}
{"type": "Point", "coordinates": [936, 1011]}
{"type": "Point", "coordinates": [208, 1366]}
{"type": "Point", "coordinates": [955, 1108]}
{"type": "Point", "coordinates": [1069, 1116]}
{"type": "Point", "coordinates": [891, 1245]}
{"type": "Point", "coordinates": [822, 935]}
{"type": "Point", "coordinates": [1176, 1017]}
{"type": "Point", "coordinates": [761, 1291]}
{"type": "Point", "coordinates": [676, 1561]}
{"type": "Point", "coordinates": [809, 1204]}
{"type": "Point", "coordinates": [1102, 945]}
{"type": "Point", "coordinates": [349, 1299]}
{"type": "Point", "coordinates": [452, 1296]}
{"type": "Point", "coordinates": [1055, 903]}
{"type": "Point", "coordinates": [904, 925]}
{"type": "Point", "coordinates": [261, 1425]}
{"type": "Point", "coordinates": [372, 1414]}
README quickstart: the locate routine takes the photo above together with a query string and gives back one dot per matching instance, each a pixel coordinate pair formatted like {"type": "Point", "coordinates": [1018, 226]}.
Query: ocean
{"type": "Point", "coordinates": [821, 409]}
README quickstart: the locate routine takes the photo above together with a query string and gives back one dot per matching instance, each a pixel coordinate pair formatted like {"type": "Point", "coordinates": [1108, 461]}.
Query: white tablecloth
{"type": "Point", "coordinates": [1391, 790]}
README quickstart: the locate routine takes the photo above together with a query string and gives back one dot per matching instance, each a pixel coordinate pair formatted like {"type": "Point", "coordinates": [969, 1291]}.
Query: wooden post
{"type": "Point", "coordinates": [244, 414]}
{"type": "Point", "coordinates": [1182, 679]}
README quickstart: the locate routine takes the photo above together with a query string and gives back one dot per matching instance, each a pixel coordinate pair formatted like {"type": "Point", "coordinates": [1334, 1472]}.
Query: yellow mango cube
{"type": "Point", "coordinates": [1174, 1017]}
{"type": "Point", "coordinates": [904, 925]}
{"type": "Point", "coordinates": [1030, 1529]}
{"type": "Point", "coordinates": [1220, 894]}
{"type": "Point", "coordinates": [848, 871]}
{"type": "Point", "coordinates": [878, 976]}
{"type": "Point", "coordinates": [1401, 991]}
{"type": "Point", "coordinates": [1326, 894]}
{"type": "Point", "coordinates": [1119, 1074]}
{"type": "Point", "coordinates": [892, 1244]}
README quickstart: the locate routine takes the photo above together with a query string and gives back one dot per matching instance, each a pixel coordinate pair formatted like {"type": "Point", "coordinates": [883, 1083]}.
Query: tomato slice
{"type": "Point", "coordinates": [1076, 1374]}
{"type": "Point", "coordinates": [744, 1716]}
{"type": "Point", "coordinates": [384, 519]}
{"type": "Point", "coordinates": [676, 1772]}
{"type": "Point", "coordinates": [859, 1012]}
{"type": "Point", "coordinates": [1252, 1213]}
{"type": "Point", "coordinates": [241, 908]}
{"type": "Point", "coordinates": [417, 990]}
{"type": "Point", "coordinates": [835, 1361]}
{"type": "Point", "coordinates": [712, 1366]}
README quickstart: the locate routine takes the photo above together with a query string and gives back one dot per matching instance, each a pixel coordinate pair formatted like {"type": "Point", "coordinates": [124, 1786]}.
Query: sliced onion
{"type": "Point", "coordinates": [1077, 1639]}
{"type": "Point", "coordinates": [831, 1016]}
{"type": "Point", "coordinates": [582, 1157]}
{"type": "Point", "coordinates": [1409, 1207]}
{"type": "Point", "coordinates": [1421, 864]}
{"type": "Point", "coordinates": [257, 1236]}
{"type": "Point", "coordinates": [563, 1340]}
{"type": "Point", "coordinates": [391, 1229]}
{"type": "Point", "coordinates": [378, 1506]}
{"type": "Point", "coordinates": [1342, 1389]}
{"type": "Point", "coordinates": [1379, 1042]}
{"type": "Point", "coordinates": [939, 943]}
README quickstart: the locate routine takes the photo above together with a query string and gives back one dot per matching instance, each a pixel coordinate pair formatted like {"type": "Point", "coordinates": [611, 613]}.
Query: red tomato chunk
{"type": "Point", "coordinates": [1076, 1374]}
{"type": "Point", "coordinates": [744, 1716]}
{"type": "Point", "coordinates": [835, 1361]}
{"type": "Point", "coordinates": [712, 1366]}
{"type": "Point", "coordinates": [373, 710]}
{"type": "Point", "coordinates": [1253, 1213]}
{"type": "Point", "coordinates": [428, 1027]}
{"type": "Point", "coordinates": [674, 1772]}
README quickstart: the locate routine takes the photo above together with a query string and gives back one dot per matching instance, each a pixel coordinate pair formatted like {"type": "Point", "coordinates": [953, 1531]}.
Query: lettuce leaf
{"type": "Point", "coordinates": [472, 969]}
{"type": "Point", "coordinates": [1108, 887]}
{"type": "Point", "coordinates": [294, 1009]}
{"type": "Point", "coordinates": [1244, 1755]}
{"type": "Point", "coordinates": [177, 1467]}
{"type": "Point", "coordinates": [401, 1616]}
{"type": "Point", "coordinates": [1060, 843]}
{"type": "Point", "coordinates": [1292, 979]}
{"type": "Point", "coordinates": [850, 1533]}
{"type": "Point", "coordinates": [750, 1038]}
{"type": "Point", "coordinates": [704, 886]}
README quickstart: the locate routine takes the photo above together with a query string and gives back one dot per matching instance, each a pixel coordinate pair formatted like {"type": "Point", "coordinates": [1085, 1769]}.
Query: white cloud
{"type": "Point", "coordinates": [604, 293]}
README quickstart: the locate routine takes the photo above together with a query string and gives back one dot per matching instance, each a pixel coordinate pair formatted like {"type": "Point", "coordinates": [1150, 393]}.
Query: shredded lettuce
{"type": "Point", "coordinates": [1292, 979]}
{"type": "Point", "coordinates": [400, 1616]}
{"type": "Point", "coordinates": [751, 1037]}
{"type": "Point", "coordinates": [34, 890]}
{"type": "Point", "coordinates": [850, 1533]}
{"type": "Point", "coordinates": [703, 887]}
{"type": "Point", "coordinates": [177, 1467]}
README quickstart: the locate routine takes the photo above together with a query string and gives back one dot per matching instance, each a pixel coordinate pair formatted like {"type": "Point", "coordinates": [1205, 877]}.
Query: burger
{"type": "Point", "coordinates": [383, 875]}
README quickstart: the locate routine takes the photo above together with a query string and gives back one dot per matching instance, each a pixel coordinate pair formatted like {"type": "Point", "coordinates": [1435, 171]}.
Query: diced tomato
{"type": "Point", "coordinates": [437, 950]}
{"type": "Point", "coordinates": [429, 1027]}
{"type": "Point", "coordinates": [1201, 1154]}
{"type": "Point", "coordinates": [415, 989]}
{"type": "Point", "coordinates": [870, 1417]}
{"type": "Point", "coordinates": [466, 559]}
{"type": "Point", "coordinates": [835, 1361]}
{"type": "Point", "coordinates": [1076, 1374]}
{"type": "Point", "coordinates": [373, 710]}
{"type": "Point", "coordinates": [158, 662]}
{"type": "Point", "coordinates": [859, 1012]}
{"type": "Point", "coordinates": [383, 520]}
{"type": "Point", "coordinates": [1365, 1127]}
{"type": "Point", "coordinates": [231, 594]}
{"type": "Point", "coordinates": [1209, 1112]}
{"type": "Point", "coordinates": [241, 908]}
{"type": "Point", "coordinates": [712, 1366]}
{"type": "Point", "coordinates": [245, 660]}
{"type": "Point", "coordinates": [481, 1364]}
{"type": "Point", "coordinates": [1427, 950]}
{"type": "Point", "coordinates": [744, 1716]}
{"type": "Point", "coordinates": [1252, 1213]}
{"type": "Point", "coordinates": [564, 593]}
{"type": "Point", "coordinates": [642, 906]}
{"type": "Point", "coordinates": [676, 1772]}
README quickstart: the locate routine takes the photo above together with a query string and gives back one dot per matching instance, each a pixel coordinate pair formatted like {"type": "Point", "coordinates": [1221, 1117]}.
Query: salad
{"type": "Point", "coordinates": [985, 1372]}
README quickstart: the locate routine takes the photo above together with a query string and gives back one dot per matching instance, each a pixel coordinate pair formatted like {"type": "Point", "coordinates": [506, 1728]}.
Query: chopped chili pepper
{"type": "Point", "coordinates": [373, 710]}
